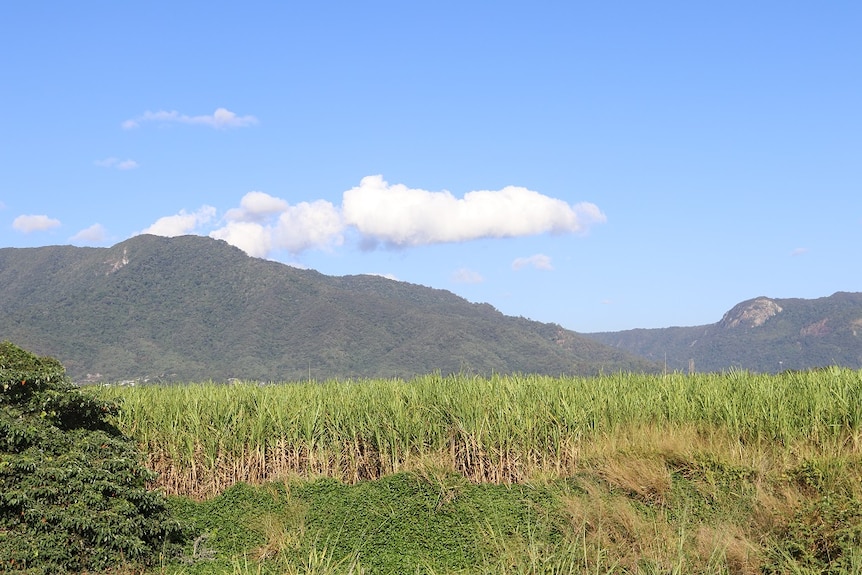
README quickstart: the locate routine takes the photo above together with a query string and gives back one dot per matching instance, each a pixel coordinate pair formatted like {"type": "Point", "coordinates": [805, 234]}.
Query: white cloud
{"type": "Point", "coordinates": [467, 276]}
{"type": "Point", "coordinates": [403, 216]}
{"type": "Point", "coordinates": [95, 234]}
{"type": "Point", "coordinates": [799, 252]}
{"type": "Point", "coordinates": [394, 215]}
{"type": "Point", "coordinates": [537, 261]}
{"type": "Point", "coordinates": [33, 223]}
{"type": "Point", "coordinates": [117, 164]}
{"type": "Point", "coordinates": [255, 207]}
{"type": "Point", "coordinates": [252, 238]}
{"type": "Point", "coordinates": [309, 225]}
{"type": "Point", "coordinates": [222, 118]}
{"type": "Point", "coordinates": [181, 223]}
{"type": "Point", "coordinates": [264, 223]}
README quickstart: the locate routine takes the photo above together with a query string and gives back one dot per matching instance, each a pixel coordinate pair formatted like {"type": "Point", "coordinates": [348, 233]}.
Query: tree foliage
{"type": "Point", "coordinates": [73, 490]}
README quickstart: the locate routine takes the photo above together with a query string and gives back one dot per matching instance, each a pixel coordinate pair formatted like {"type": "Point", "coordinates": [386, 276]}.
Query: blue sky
{"type": "Point", "coordinates": [604, 166]}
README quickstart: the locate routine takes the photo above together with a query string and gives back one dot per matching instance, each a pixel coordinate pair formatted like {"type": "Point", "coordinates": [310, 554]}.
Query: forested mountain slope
{"type": "Point", "coordinates": [192, 308]}
{"type": "Point", "coordinates": [761, 334]}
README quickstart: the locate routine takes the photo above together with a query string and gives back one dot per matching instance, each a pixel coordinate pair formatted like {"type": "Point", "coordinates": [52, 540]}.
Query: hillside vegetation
{"type": "Point", "coordinates": [718, 473]}
{"type": "Point", "coordinates": [194, 308]}
{"type": "Point", "coordinates": [762, 334]}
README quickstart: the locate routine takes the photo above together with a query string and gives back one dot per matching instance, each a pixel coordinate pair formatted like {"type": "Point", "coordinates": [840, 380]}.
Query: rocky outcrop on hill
{"type": "Point", "coordinates": [752, 313]}
{"type": "Point", "coordinates": [761, 334]}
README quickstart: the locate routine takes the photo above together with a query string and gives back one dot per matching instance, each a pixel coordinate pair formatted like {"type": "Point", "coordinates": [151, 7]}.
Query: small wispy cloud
{"type": "Point", "coordinates": [95, 234]}
{"type": "Point", "coordinates": [117, 164]}
{"type": "Point", "coordinates": [222, 118]}
{"type": "Point", "coordinates": [799, 252]}
{"type": "Point", "coordinates": [537, 261]}
{"type": "Point", "coordinates": [34, 223]}
{"type": "Point", "coordinates": [467, 276]}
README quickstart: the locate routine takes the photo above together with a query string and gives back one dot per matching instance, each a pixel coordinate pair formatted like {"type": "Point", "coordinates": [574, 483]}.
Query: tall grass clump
{"type": "Point", "coordinates": [201, 438]}
{"type": "Point", "coordinates": [735, 473]}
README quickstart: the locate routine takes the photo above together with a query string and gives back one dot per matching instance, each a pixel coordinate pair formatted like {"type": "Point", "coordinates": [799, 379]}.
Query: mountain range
{"type": "Point", "coordinates": [761, 334]}
{"type": "Point", "coordinates": [193, 308]}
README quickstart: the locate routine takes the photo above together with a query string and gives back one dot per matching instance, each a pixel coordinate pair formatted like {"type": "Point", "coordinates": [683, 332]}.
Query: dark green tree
{"type": "Point", "coordinates": [73, 490]}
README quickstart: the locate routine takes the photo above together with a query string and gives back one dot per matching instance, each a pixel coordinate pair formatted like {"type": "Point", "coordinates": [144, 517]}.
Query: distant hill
{"type": "Point", "coordinates": [194, 308]}
{"type": "Point", "coordinates": [761, 334]}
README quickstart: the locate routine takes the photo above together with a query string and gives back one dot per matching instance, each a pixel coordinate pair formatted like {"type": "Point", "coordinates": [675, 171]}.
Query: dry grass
{"type": "Point", "coordinates": [645, 479]}
{"type": "Point", "coordinates": [728, 545]}
{"type": "Point", "coordinates": [611, 528]}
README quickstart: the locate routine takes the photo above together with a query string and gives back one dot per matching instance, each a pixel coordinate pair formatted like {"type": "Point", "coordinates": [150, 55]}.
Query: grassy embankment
{"type": "Point", "coordinates": [732, 473]}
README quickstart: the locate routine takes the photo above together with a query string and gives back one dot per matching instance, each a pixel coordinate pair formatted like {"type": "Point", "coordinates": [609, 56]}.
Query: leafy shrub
{"type": "Point", "coordinates": [72, 488]}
